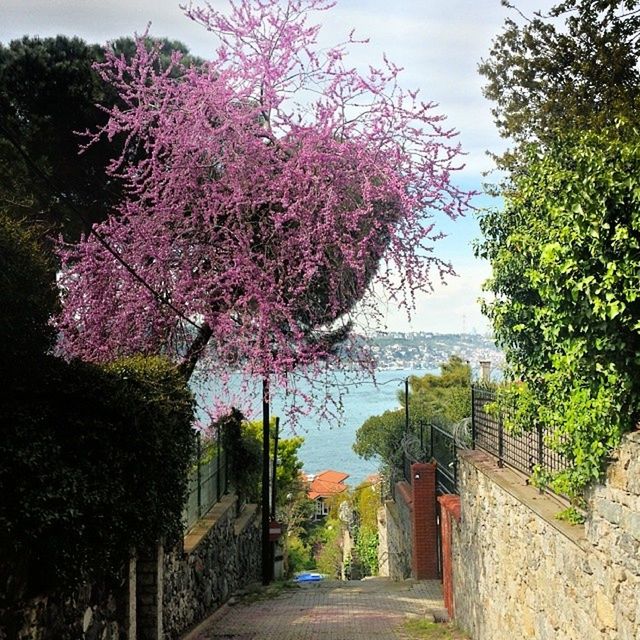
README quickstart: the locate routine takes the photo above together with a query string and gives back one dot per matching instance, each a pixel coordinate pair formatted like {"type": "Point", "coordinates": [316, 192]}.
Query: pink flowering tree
{"type": "Point", "coordinates": [267, 192]}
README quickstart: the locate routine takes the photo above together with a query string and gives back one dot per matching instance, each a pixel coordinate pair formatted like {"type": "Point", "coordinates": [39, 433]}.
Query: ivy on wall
{"type": "Point", "coordinates": [565, 252]}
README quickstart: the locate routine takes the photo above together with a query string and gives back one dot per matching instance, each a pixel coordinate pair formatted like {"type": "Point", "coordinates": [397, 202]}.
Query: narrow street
{"type": "Point", "coordinates": [371, 608]}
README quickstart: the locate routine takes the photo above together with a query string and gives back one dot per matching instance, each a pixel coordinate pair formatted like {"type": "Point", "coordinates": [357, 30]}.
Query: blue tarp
{"type": "Point", "coordinates": [308, 577]}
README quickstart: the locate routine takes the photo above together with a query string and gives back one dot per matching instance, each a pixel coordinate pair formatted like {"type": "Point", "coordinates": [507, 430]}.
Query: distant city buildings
{"type": "Point", "coordinates": [426, 351]}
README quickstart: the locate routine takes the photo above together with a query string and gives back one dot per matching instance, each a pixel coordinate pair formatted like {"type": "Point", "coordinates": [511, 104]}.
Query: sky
{"type": "Point", "coordinates": [439, 43]}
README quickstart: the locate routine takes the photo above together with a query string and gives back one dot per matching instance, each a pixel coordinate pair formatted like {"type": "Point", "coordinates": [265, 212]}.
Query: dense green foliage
{"type": "Point", "coordinates": [289, 466]}
{"type": "Point", "coordinates": [366, 500]}
{"type": "Point", "coordinates": [574, 68]}
{"type": "Point", "coordinates": [565, 249]}
{"type": "Point", "coordinates": [242, 440]}
{"type": "Point", "coordinates": [565, 253]}
{"type": "Point", "coordinates": [326, 540]}
{"type": "Point", "coordinates": [298, 555]}
{"type": "Point", "coordinates": [244, 455]}
{"type": "Point", "coordinates": [93, 460]}
{"type": "Point", "coordinates": [27, 296]}
{"type": "Point", "coordinates": [442, 399]}
{"type": "Point", "coordinates": [48, 94]}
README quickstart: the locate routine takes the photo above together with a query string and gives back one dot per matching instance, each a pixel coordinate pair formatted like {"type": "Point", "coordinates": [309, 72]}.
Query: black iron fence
{"type": "Point", "coordinates": [522, 451]}
{"type": "Point", "coordinates": [443, 448]}
{"type": "Point", "coordinates": [208, 482]}
{"type": "Point", "coordinates": [429, 442]}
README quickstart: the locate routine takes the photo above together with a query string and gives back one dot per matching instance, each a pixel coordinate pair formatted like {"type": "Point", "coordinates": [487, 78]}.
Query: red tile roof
{"type": "Point", "coordinates": [327, 483]}
{"type": "Point", "coordinates": [331, 476]}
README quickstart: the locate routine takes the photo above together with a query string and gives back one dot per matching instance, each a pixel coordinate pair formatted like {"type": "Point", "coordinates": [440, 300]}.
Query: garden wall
{"type": "Point", "coordinates": [407, 529]}
{"type": "Point", "coordinates": [87, 612]}
{"type": "Point", "coordinates": [394, 534]}
{"type": "Point", "coordinates": [520, 573]}
{"type": "Point", "coordinates": [221, 555]}
{"type": "Point", "coordinates": [161, 595]}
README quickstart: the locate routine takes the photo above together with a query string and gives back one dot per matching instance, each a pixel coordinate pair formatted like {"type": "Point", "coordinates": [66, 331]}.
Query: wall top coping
{"type": "Point", "coordinates": [423, 466]}
{"type": "Point", "coordinates": [199, 531]}
{"type": "Point", "coordinates": [246, 518]}
{"type": "Point", "coordinates": [543, 505]}
{"type": "Point", "coordinates": [451, 504]}
{"type": "Point", "coordinates": [403, 489]}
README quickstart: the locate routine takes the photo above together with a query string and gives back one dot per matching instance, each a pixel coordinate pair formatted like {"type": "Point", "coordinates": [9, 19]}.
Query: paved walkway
{"type": "Point", "coordinates": [358, 610]}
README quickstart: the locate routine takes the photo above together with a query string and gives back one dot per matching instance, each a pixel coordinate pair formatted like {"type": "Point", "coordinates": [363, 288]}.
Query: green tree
{"type": "Point", "coordinates": [442, 399]}
{"type": "Point", "coordinates": [328, 551]}
{"type": "Point", "coordinates": [49, 93]}
{"type": "Point", "coordinates": [244, 452]}
{"type": "Point", "coordinates": [573, 68]}
{"type": "Point", "coordinates": [366, 501]}
{"type": "Point", "coordinates": [289, 466]}
{"type": "Point", "coordinates": [27, 294]}
{"type": "Point", "coordinates": [565, 253]}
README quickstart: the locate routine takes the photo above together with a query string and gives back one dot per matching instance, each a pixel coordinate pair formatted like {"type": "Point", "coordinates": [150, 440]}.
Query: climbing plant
{"type": "Point", "coordinates": [565, 252]}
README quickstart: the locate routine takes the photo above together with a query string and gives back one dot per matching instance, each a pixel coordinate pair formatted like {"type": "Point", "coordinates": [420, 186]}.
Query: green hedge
{"type": "Point", "coordinates": [93, 460]}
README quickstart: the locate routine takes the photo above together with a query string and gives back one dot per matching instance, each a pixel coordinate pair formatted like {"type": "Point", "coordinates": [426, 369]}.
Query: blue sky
{"type": "Point", "coordinates": [438, 42]}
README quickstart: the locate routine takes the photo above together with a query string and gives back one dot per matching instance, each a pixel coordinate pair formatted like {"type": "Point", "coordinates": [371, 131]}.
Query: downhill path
{"type": "Point", "coordinates": [367, 609]}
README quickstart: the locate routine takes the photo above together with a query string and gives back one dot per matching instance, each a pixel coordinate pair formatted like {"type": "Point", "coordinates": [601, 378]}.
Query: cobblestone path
{"type": "Point", "coordinates": [358, 610]}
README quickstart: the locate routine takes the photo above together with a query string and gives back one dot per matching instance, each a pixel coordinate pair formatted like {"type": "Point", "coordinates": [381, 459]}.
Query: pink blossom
{"type": "Point", "coordinates": [267, 192]}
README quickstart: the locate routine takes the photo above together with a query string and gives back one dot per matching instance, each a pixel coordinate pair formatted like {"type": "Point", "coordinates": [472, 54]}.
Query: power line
{"type": "Point", "coordinates": [61, 194]}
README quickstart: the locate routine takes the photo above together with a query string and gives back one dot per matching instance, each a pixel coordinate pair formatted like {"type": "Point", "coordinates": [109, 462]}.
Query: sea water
{"type": "Point", "coordinates": [329, 444]}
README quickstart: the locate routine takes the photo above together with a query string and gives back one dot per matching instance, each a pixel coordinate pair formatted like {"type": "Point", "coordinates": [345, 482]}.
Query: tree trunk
{"type": "Point", "coordinates": [194, 352]}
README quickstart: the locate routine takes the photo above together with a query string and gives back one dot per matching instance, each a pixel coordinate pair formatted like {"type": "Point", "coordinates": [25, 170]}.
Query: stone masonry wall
{"type": "Point", "coordinates": [87, 612]}
{"type": "Point", "coordinates": [394, 530]}
{"type": "Point", "coordinates": [520, 573]}
{"type": "Point", "coordinates": [220, 556]}
{"type": "Point", "coordinates": [160, 596]}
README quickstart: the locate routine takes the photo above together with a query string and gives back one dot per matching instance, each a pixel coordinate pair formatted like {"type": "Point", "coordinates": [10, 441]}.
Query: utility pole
{"type": "Point", "coordinates": [275, 465]}
{"type": "Point", "coordinates": [406, 404]}
{"type": "Point", "coordinates": [267, 561]}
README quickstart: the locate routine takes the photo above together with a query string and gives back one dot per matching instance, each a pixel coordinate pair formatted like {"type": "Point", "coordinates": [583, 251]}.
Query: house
{"type": "Point", "coordinates": [323, 486]}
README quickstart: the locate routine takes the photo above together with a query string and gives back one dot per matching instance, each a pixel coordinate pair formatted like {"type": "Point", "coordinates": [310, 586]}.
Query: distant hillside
{"type": "Point", "coordinates": [423, 350]}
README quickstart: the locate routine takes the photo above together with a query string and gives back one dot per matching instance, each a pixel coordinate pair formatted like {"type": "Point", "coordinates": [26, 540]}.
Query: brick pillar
{"type": "Point", "coordinates": [449, 509]}
{"type": "Point", "coordinates": [424, 565]}
{"type": "Point", "coordinates": [150, 594]}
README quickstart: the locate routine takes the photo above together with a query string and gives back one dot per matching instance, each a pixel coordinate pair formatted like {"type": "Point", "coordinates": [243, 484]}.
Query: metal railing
{"type": "Point", "coordinates": [522, 451]}
{"type": "Point", "coordinates": [436, 444]}
{"type": "Point", "coordinates": [444, 452]}
{"type": "Point", "coordinates": [208, 482]}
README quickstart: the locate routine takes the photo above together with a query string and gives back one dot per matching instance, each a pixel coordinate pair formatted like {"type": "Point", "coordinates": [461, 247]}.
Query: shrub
{"type": "Point", "coordinates": [27, 295]}
{"type": "Point", "coordinates": [93, 461]}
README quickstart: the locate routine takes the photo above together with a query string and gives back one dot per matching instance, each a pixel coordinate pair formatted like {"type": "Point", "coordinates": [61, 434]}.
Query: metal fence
{"type": "Point", "coordinates": [522, 451]}
{"type": "Point", "coordinates": [436, 444]}
{"type": "Point", "coordinates": [208, 482]}
{"type": "Point", "coordinates": [442, 445]}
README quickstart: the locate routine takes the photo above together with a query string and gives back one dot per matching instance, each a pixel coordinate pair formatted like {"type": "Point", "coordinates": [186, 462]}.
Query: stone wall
{"type": "Point", "coordinates": [520, 573]}
{"type": "Point", "coordinates": [394, 534]}
{"type": "Point", "coordinates": [221, 555]}
{"type": "Point", "coordinates": [88, 612]}
{"type": "Point", "coordinates": [161, 594]}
